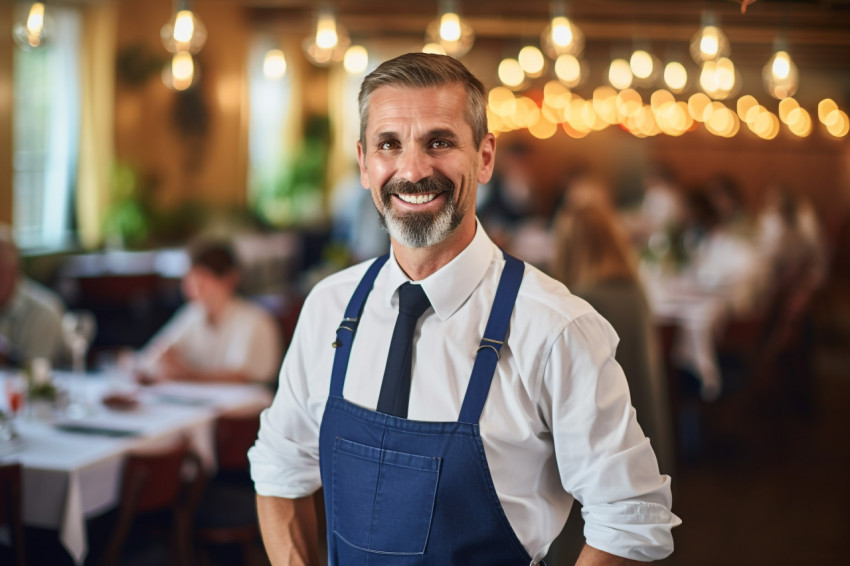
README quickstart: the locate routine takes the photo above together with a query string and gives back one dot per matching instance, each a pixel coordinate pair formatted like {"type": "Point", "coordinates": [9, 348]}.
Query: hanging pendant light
{"type": "Point", "coordinates": [329, 43]}
{"type": "Point", "coordinates": [709, 43]}
{"type": "Point", "coordinates": [780, 75]}
{"type": "Point", "coordinates": [561, 36]}
{"type": "Point", "coordinates": [35, 27]}
{"type": "Point", "coordinates": [184, 31]}
{"type": "Point", "coordinates": [450, 31]}
{"type": "Point", "coordinates": [182, 73]}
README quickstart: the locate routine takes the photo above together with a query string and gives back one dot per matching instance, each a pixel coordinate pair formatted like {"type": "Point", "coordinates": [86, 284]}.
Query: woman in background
{"type": "Point", "coordinates": [593, 259]}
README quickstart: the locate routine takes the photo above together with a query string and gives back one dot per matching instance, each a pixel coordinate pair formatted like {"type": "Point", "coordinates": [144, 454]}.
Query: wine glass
{"type": "Point", "coordinates": [79, 327]}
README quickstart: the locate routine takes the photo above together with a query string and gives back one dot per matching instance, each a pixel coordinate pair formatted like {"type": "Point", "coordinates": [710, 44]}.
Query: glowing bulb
{"type": "Point", "coordinates": [562, 32]}
{"type": "Point", "coordinates": [182, 70]}
{"type": "Point", "coordinates": [641, 64]}
{"type": "Point", "coordinates": [568, 69]}
{"type": "Point", "coordinates": [511, 73]}
{"type": "Point", "coordinates": [356, 59]}
{"type": "Point", "coordinates": [709, 44]}
{"type": "Point", "coordinates": [781, 65]}
{"type": "Point", "coordinates": [620, 74]}
{"type": "Point", "coordinates": [531, 60]}
{"type": "Point", "coordinates": [326, 37]}
{"type": "Point", "coordinates": [450, 27]}
{"type": "Point", "coordinates": [675, 76]}
{"type": "Point", "coordinates": [274, 64]}
{"type": "Point", "coordinates": [184, 26]}
{"type": "Point", "coordinates": [35, 19]}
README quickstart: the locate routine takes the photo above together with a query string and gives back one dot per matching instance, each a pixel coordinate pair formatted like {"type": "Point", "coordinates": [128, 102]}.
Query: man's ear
{"type": "Point", "coordinates": [361, 161]}
{"type": "Point", "coordinates": [487, 153]}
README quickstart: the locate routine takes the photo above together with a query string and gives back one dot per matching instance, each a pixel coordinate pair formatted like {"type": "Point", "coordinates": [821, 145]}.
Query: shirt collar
{"type": "Point", "coordinates": [450, 286]}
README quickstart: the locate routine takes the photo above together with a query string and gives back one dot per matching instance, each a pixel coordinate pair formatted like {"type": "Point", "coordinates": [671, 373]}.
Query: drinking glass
{"type": "Point", "coordinates": [78, 327]}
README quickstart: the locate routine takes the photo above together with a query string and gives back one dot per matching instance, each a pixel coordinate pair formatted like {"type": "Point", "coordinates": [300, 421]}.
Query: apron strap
{"type": "Point", "coordinates": [495, 332]}
{"type": "Point", "coordinates": [348, 326]}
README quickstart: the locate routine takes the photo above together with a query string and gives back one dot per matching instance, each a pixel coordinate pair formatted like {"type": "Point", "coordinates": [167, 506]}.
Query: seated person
{"type": "Point", "coordinates": [30, 314]}
{"type": "Point", "coordinates": [216, 336]}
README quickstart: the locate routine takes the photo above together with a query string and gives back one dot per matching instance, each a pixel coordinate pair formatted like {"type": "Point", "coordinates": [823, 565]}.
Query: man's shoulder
{"type": "Point", "coordinates": [337, 286]}
{"type": "Point", "coordinates": [545, 300]}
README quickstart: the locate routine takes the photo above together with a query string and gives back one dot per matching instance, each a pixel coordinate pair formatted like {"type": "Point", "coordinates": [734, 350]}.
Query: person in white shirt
{"type": "Point", "coordinates": [30, 314]}
{"type": "Point", "coordinates": [514, 404]}
{"type": "Point", "coordinates": [217, 335]}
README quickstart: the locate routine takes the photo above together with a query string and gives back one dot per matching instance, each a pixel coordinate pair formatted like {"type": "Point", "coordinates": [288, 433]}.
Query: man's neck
{"type": "Point", "coordinates": [419, 263]}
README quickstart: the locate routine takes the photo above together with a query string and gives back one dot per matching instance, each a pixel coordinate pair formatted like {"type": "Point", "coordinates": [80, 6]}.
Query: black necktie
{"type": "Point", "coordinates": [395, 389]}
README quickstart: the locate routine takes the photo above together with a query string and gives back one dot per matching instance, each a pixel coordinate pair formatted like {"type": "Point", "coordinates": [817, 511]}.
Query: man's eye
{"type": "Point", "coordinates": [439, 144]}
{"type": "Point", "coordinates": [386, 145]}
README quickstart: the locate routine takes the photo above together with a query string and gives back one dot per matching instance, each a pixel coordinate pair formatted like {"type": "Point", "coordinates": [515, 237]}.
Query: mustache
{"type": "Point", "coordinates": [428, 185]}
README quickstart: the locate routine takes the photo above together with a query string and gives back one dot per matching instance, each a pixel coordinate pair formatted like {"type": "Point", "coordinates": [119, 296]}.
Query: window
{"type": "Point", "coordinates": [46, 136]}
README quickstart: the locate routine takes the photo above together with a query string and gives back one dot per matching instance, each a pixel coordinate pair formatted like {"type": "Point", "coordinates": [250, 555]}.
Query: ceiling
{"type": "Point", "coordinates": [818, 30]}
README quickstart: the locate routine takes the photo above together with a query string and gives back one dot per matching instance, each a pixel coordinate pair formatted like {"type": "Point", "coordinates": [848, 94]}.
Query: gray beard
{"type": "Point", "coordinates": [420, 230]}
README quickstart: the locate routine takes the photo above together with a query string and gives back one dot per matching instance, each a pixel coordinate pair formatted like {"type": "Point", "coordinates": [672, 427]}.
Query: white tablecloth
{"type": "Point", "coordinates": [69, 476]}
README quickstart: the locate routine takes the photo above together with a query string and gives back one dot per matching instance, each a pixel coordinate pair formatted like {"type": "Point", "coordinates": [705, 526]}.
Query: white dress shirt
{"type": "Point", "coordinates": [245, 338]}
{"type": "Point", "coordinates": [557, 424]}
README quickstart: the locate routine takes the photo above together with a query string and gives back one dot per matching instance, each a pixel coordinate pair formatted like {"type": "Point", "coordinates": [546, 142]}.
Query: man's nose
{"type": "Point", "coordinates": [414, 164]}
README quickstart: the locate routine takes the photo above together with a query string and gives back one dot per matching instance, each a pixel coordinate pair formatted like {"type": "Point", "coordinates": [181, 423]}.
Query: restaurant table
{"type": "Point", "coordinates": [72, 467]}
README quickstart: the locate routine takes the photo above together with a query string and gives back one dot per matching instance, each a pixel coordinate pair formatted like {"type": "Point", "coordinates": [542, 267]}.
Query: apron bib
{"type": "Point", "coordinates": [405, 492]}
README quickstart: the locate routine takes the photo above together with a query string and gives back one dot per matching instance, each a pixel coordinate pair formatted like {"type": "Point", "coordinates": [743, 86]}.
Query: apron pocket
{"type": "Point", "coordinates": [383, 500]}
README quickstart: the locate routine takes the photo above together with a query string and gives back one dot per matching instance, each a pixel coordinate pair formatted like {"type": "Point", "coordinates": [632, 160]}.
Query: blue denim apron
{"type": "Point", "coordinates": [405, 492]}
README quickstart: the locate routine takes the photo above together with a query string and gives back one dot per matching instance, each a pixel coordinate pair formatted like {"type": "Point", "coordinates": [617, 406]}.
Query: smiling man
{"type": "Point", "coordinates": [450, 400]}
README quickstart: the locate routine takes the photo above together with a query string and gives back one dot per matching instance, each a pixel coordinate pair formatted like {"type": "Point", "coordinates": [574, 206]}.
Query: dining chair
{"type": "Point", "coordinates": [227, 513]}
{"type": "Point", "coordinates": [157, 488]}
{"type": "Point", "coordinates": [11, 514]}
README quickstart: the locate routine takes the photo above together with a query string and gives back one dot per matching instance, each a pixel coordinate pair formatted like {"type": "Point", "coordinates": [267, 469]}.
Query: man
{"type": "Point", "coordinates": [217, 336]}
{"type": "Point", "coordinates": [516, 404]}
{"type": "Point", "coordinates": [30, 314]}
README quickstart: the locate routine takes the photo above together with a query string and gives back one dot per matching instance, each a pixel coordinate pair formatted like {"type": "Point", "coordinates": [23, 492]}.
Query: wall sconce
{"type": "Point", "coordinates": [561, 36]}
{"type": "Point", "coordinates": [330, 41]}
{"type": "Point", "coordinates": [450, 31]}
{"type": "Point", "coordinates": [709, 43]}
{"type": "Point", "coordinates": [184, 31]}
{"type": "Point", "coordinates": [780, 75]}
{"type": "Point", "coordinates": [35, 28]}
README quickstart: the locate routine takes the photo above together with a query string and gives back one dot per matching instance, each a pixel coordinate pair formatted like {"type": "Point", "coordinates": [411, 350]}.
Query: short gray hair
{"type": "Point", "coordinates": [422, 70]}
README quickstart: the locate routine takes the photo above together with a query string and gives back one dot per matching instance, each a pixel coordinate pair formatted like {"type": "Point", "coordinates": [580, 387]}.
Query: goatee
{"type": "Point", "coordinates": [420, 229]}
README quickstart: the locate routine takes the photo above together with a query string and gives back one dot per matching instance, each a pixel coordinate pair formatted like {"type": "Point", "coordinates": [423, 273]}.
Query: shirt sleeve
{"type": "Point", "coordinates": [605, 461]}
{"type": "Point", "coordinates": [285, 458]}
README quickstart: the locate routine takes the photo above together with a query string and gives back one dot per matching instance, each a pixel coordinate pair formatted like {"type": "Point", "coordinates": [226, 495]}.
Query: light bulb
{"type": "Point", "coordinates": [709, 43]}
{"type": "Point", "coordinates": [531, 60]}
{"type": "Point", "coordinates": [451, 32]}
{"type": "Point", "coordinates": [569, 70]}
{"type": "Point", "coordinates": [561, 37]}
{"type": "Point", "coordinates": [274, 64]}
{"type": "Point", "coordinates": [781, 65]}
{"type": "Point", "coordinates": [329, 43]}
{"type": "Point", "coordinates": [675, 76]}
{"type": "Point", "coordinates": [36, 28]}
{"type": "Point", "coordinates": [326, 37]}
{"type": "Point", "coordinates": [183, 32]}
{"type": "Point", "coordinates": [780, 75]}
{"type": "Point", "coordinates": [620, 74]}
{"type": "Point", "coordinates": [511, 73]}
{"type": "Point", "coordinates": [356, 59]}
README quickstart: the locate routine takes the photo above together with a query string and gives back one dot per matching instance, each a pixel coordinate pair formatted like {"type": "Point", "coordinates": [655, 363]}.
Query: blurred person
{"type": "Point", "coordinates": [217, 335]}
{"type": "Point", "coordinates": [466, 451]}
{"type": "Point", "coordinates": [593, 258]}
{"type": "Point", "coordinates": [30, 314]}
{"type": "Point", "coordinates": [789, 237]}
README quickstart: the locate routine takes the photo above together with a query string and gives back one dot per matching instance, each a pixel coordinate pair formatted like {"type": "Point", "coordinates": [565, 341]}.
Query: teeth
{"type": "Point", "coordinates": [417, 199]}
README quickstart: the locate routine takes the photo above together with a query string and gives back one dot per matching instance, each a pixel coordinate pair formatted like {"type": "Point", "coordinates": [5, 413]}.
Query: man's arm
{"type": "Point", "coordinates": [289, 529]}
{"type": "Point", "coordinates": [594, 557]}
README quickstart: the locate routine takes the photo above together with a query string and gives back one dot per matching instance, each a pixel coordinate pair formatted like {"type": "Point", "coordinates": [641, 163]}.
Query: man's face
{"type": "Point", "coordinates": [205, 287]}
{"type": "Point", "coordinates": [421, 165]}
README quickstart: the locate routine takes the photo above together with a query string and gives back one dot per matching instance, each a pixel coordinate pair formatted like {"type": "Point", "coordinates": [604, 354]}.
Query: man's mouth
{"type": "Point", "coordinates": [418, 198]}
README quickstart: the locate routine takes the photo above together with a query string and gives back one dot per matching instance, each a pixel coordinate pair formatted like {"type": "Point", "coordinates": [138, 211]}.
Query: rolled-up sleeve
{"type": "Point", "coordinates": [285, 458]}
{"type": "Point", "coordinates": [604, 459]}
